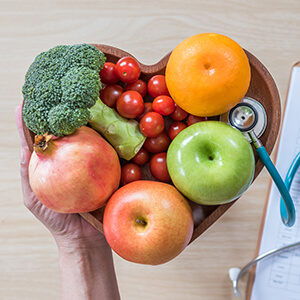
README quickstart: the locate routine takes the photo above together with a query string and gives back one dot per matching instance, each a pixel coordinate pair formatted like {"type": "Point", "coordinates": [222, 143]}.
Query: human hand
{"type": "Point", "coordinates": [86, 264]}
{"type": "Point", "coordinates": [68, 230]}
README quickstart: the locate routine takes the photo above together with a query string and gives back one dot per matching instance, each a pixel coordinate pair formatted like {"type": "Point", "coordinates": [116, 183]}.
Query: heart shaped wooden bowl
{"type": "Point", "coordinates": [262, 88]}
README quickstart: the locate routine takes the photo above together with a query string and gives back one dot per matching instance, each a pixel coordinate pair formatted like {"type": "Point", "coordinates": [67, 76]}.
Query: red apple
{"type": "Point", "coordinates": [148, 222]}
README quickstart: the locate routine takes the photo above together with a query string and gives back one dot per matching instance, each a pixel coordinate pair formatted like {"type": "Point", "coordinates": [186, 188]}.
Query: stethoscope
{"type": "Point", "coordinates": [236, 274]}
{"type": "Point", "coordinates": [250, 118]}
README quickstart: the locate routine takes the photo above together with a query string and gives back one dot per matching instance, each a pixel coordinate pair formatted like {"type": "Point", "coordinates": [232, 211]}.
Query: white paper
{"type": "Point", "coordinates": [278, 277]}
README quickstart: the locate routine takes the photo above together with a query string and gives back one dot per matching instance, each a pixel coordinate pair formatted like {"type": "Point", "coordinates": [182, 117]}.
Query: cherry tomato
{"type": "Point", "coordinates": [157, 86]}
{"type": "Point", "coordinates": [142, 157]}
{"type": "Point", "coordinates": [128, 69]}
{"type": "Point", "coordinates": [130, 104]}
{"type": "Point", "coordinates": [164, 105]}
{"type": "Point", "coordinates": [179, 114]}
{"type": "Point", "coordinates": [139, 86]}
{"type": "Point", "coordinates": [148, 107]}
{"type": "Point", "coordinates": [175, 128]}
{"type": "Point", "coordinates": [130, 172]}
{"type": "Point", "coordinates": [110, 94]}
{"type": "Point", "coordinates": [152, 124]}
{"type": "Point", "coordinates": [195, 119]}
{"type": "Point", "coordinates": [157, 144]}
{"type": "Point", "coordinates": [158, 167]}
{"type": "Point", "coordinates": [108, 73]}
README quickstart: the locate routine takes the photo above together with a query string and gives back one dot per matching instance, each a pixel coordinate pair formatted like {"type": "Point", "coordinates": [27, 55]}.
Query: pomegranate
{"type": "Point", "coordinates": [76, 173]}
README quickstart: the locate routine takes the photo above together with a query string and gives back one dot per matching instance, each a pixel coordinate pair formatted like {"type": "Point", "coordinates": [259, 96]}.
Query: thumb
{"type": "Point", "coordinates": [24, 160]}
{"type": "Point", "coordinates": [27, 192]}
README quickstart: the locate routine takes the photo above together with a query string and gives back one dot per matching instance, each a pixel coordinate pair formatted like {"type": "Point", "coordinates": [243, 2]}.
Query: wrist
{"type": "Point", "coordinates": [67, 245]}
{"type": "Point", "coordinates": [87, 271]}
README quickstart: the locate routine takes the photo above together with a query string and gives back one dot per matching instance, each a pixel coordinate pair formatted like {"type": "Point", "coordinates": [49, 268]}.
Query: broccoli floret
{"type": "Point", "coordinates": [75, 92]}
{"type": "Point", "coordinates": [68, 118]}
{"type": "Point", "coordinates": [60, 87]}
{"type": "Point", "coordinates": [61, 93]}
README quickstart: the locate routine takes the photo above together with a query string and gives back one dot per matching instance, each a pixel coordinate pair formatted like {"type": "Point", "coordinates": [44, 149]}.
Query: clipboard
{"type": "Point", "coordinates": [249, 288]}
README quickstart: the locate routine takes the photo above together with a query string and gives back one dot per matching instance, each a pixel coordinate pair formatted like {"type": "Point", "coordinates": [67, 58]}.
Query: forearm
{"type": "Point", "coordinates": [87, 274]}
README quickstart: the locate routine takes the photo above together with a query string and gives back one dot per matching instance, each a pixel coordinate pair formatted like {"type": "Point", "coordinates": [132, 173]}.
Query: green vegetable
{"type": "Point", "coordinates": [124, 134]}
{"type": "Point", "coordinates": [62, 87]}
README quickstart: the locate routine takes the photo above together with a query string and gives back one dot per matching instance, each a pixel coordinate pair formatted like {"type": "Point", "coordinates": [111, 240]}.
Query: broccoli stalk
{"type": "Point", "coordinates": [61, 94]}
{"type": "Point", "coordinates": [122, 133]}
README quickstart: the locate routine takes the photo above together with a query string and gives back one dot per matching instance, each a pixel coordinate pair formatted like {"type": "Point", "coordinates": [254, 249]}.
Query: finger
{"type": "Point", "coordinates": [29, 198]}
{"type": "Point", "coordinates": [19, 122]}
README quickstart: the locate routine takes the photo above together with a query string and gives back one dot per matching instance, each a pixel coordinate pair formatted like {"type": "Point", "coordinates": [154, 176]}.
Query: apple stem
{"type": "Point", "coordinates": [141, 222]}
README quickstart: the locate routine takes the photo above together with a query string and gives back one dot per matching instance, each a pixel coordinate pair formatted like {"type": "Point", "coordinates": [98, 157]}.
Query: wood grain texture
{"type": "Point", "coordinates": [149, 30]}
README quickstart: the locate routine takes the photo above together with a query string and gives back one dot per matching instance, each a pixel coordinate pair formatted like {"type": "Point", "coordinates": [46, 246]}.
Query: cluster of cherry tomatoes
{"type": "Point", "coordinates": [150, 103]}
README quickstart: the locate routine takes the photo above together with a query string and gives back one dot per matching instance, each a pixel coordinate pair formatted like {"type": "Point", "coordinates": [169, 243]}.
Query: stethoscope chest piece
{"type": "Point", "coordinates": [250, 118]}
{"type": "Point", "coordinates": [247, 115]}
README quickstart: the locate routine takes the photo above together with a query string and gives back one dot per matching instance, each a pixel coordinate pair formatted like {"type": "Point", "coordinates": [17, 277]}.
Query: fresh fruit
{"type": "Point", "coordinates": [76, 173]}
{"type": "Point", "coordinates": [130, 172]}
{"type": "Point", "coordinates": [130, 104]}
{"type": "Point", "coordinates": [148, 222]}
{"type": "Point", "coordinates": [158, 167]}
{"type": "Point", "coordinates": [139, 86]}
{"type": "Point", "coordinates": [142, 157]}
{"type": "Point", "coordinates": [152, 124]}
{"type": "Point", "coordinates": [157, 144]}
{"type": "Point", "coordinates": [108, 74]}
{"type": "Point", "coordinates": [207, 74]}
{"type": "Point", "coordinates": [164, 105]}
{"type": "Point", "coordinates": [175, 128]}
{"type": "Point", "coordinates": [179, 114]}
{"type": "Point", "coordinates": [195, 119]}
{"type": "Point", "coordinates": [157, 86]}
{"type": "Point", "coordinates": [148, 107]}
{"type": "Point", "coordinates": [211, 163]}
{"type": "Point", "coordinates": [110, 94]}
{"type": "Point", "coordinates": [128, 69]}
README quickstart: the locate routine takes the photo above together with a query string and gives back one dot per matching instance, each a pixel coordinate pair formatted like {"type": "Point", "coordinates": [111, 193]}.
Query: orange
{"type": "Point", "coordinates": [207, 74]}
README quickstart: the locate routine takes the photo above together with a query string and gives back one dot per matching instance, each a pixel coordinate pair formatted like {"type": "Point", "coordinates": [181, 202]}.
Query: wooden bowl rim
{"type": "Point", "coordinates": [158, 67]}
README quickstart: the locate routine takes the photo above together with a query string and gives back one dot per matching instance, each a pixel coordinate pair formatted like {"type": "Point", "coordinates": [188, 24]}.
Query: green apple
{"type": "Point", "coordinates": [211, 163]}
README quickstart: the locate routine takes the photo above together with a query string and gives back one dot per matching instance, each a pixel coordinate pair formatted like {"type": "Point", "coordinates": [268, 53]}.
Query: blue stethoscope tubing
{"type": "Point", "coordinates": [287, 208]}
{"type": "Point", "coordinates": [249, 117]}
{"type": "Point", "coordinates": [289, 179]}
